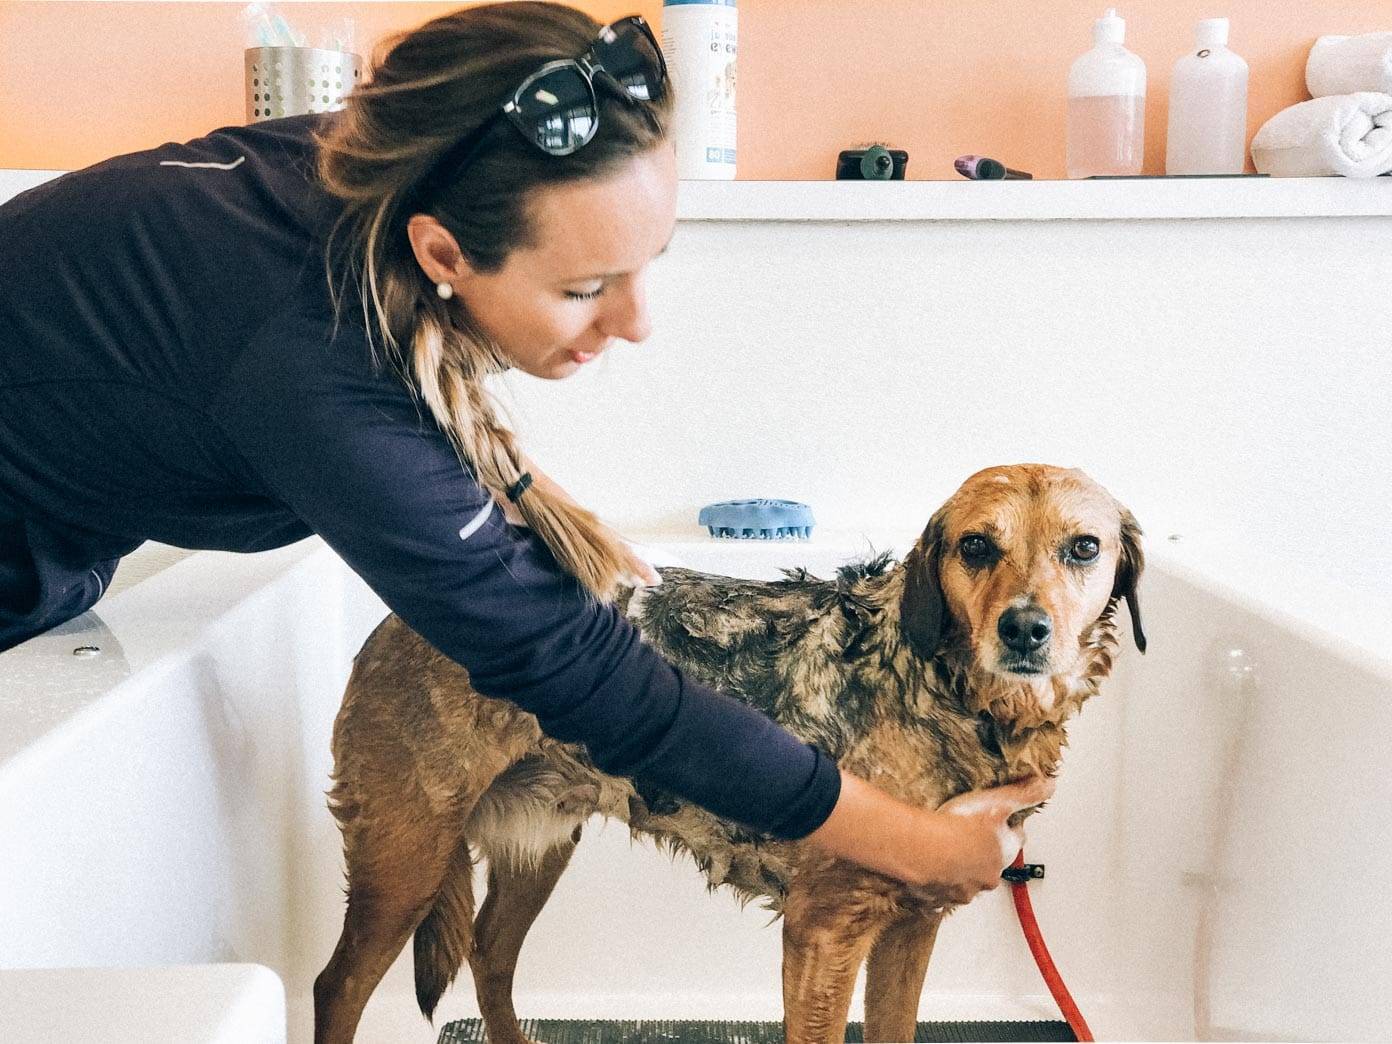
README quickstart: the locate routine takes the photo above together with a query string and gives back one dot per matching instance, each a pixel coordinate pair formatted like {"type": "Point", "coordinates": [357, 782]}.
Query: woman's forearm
{"type": "Point", "coordinates": [961, 846]}
{"type": "Point", "coordinates": [879, 832]}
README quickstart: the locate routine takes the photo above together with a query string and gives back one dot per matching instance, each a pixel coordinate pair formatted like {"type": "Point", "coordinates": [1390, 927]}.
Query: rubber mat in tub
{"type": "Point", "coordinates": [656, 1031]}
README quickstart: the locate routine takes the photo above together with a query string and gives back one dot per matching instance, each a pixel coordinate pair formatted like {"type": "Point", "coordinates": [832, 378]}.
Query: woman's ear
{"type": "Point", "coordinates": [922, 611]}
{"type": "Point", "coordinates": [1129, 568]}
{"type": "Point", "coordinates": [436, 250]}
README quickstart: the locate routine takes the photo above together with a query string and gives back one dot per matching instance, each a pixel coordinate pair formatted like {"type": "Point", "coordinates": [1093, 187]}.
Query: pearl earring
{"type": "Point", "coordinates": [444, 290]}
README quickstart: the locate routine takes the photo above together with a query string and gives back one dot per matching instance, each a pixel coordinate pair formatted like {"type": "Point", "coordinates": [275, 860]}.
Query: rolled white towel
{"type": "Point", "coordinates": [1349, 64]}
{"type": "Point", "coordinates": [1349, 134]}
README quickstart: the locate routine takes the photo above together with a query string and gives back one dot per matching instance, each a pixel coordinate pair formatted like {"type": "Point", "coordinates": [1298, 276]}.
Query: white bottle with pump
{"type": "Point", "coordinates": [1207, 131]}
{"type": "Point", "coordinates": [1106, 105]}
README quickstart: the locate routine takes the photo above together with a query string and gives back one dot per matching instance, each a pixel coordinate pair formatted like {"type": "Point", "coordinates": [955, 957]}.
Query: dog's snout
{"type": "Point", "coordinates": [1025, 630]}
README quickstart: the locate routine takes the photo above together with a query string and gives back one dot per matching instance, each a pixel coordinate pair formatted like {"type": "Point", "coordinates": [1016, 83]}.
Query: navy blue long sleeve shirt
{"type": "Point", "coordinates": [170, 370]}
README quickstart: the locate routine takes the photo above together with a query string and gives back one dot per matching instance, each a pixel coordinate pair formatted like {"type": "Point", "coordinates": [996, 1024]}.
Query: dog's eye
{"type": "Point", "coordinates": [976, 549]}
{"type": "Point", "coordinates": [1084, 549]}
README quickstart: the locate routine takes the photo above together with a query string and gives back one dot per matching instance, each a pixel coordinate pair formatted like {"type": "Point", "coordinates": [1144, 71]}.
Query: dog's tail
{"type": "Point", "coordinates": [443, 940]}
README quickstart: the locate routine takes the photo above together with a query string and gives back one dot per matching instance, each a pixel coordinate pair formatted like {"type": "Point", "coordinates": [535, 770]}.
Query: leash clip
{"type": "Point", "coordinates": [1021, 874]}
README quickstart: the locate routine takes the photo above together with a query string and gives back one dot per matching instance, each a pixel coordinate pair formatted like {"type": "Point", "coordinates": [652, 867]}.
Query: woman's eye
{"type": "Point", "coordinates": [1084, 549]}
{"type": "Point", "coordinates": [584, 295]}
{"type": "Point", "coordinates": [975, 549]}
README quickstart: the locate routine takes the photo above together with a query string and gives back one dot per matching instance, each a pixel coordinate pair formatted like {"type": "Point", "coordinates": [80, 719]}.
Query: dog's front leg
{"type": "Point", "coordinates": [894, 976]}
{"type": "Point", "coordinates": [828, 926]}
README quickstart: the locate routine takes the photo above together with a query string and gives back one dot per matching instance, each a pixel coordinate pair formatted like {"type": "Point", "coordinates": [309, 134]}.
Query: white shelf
{"type": "Point", "coordinates": [1141, 199]}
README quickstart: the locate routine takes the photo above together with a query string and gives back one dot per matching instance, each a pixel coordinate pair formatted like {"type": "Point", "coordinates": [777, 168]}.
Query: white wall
{"type": "Point", "coordinates": [1227, 378]}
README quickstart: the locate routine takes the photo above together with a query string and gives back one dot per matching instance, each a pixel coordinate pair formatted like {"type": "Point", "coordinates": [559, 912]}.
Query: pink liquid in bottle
{"type": "Point", "coordinates": [1106, 135]}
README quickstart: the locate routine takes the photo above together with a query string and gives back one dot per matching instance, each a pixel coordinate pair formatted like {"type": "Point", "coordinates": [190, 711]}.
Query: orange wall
{"type": "Point", "coordinates": [80, 81]}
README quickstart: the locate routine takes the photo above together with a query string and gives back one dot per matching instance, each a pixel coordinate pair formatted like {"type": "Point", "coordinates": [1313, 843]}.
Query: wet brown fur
{"type": "Point", "coordinates": [892, 668]}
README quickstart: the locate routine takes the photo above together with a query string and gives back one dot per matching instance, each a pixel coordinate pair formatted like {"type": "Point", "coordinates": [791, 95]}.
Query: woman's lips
{"type": "Point", "coordinates": [580, 357]}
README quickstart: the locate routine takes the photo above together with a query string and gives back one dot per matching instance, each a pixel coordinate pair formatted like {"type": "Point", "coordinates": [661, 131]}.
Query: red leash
{"type": "Point", "coordinates": [1020, 893]}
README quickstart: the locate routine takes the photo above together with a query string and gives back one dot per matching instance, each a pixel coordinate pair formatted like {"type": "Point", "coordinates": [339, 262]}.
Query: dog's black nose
{"type": "Point", "coordinates": [1024, 630]}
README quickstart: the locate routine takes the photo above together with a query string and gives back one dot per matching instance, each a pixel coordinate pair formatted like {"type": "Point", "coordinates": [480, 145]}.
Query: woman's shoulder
{"type": "Point", "coordinates": [262, 173]}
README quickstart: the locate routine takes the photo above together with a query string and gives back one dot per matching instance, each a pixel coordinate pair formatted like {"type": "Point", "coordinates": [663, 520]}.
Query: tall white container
{"type": "Point", "coordinates": [1207, 131]}
{"type": "Point", "coordinates": [700, 43]}
{"type": "Point", "coordinates": [1106, 105]}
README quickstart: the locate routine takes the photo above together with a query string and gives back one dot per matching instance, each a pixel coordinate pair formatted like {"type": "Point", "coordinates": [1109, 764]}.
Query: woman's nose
{"type": "Point", "coordinates": [627, 315]}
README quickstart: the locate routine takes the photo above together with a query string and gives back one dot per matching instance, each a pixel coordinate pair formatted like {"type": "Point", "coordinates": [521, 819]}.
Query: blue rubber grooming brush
{"type": "Point", "coordinates": [757, 520]}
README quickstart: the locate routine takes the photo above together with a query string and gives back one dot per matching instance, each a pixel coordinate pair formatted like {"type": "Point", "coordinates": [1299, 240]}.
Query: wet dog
{"type": "Point", "coordinates": [954, 670]}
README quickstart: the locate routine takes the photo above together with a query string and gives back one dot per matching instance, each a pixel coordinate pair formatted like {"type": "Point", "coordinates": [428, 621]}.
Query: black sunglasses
{"type": "Point", "coordinates": [556, 107]}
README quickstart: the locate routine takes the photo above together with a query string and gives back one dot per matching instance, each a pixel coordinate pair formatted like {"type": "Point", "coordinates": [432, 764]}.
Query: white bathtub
{"type": "Point", "coordinates": [1215, 853]}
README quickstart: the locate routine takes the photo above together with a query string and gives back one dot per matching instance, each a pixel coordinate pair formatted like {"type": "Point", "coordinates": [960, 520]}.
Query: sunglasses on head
{"type": "Point", "coordinates": [556, 107]}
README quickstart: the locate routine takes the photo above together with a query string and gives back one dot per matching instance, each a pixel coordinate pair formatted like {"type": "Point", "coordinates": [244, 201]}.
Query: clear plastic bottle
{"type": "Point", "coordinates": [1106, 105]}
{"type": "Point", "coordinates": [1207, 131]}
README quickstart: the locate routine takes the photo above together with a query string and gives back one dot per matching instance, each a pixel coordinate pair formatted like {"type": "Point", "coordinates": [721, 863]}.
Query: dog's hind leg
{"type": "Point", "coordinates": [387, 898]}
{"type": "Point", "coordinates": [517, 890]}
{"type": "Point", "coordinates": [406, 859]}
{"type": "Point", "coordinates": [894, 976]}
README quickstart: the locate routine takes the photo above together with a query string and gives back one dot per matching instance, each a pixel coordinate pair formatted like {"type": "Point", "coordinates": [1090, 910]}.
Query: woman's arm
{"type": "Point", "coordinates": [313, 426]}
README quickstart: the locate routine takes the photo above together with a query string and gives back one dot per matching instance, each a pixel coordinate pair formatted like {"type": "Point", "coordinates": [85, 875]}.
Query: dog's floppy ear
{"type": "Point", "coordinates": [922, 611]}
{"type": "Point", "coordinates": [1128, 574]}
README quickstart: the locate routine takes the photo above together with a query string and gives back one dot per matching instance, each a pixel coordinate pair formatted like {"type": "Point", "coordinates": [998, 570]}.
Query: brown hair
{"type": "Point", "coordinates": [435, 84]}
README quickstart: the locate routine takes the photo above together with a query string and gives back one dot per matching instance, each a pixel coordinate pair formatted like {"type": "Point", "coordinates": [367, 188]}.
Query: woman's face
{"type": "Point", "coordinates": [556, 305]}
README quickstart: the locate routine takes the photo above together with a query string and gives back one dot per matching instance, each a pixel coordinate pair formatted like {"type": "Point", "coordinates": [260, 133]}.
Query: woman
{"type": "Point", "coordinates": [282, 330]}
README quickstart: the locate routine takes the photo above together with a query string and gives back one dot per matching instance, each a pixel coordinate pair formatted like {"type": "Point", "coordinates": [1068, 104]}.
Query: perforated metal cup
{"type": "Point", "coordinates": [290, 81]}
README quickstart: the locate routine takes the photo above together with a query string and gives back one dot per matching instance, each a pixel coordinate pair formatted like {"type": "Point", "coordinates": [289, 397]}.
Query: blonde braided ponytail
{"type": "Point", "coordinates": [456, 397]}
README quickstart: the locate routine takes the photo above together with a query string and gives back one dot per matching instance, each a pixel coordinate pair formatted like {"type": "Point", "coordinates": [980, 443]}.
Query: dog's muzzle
{"type": "Point", "coordinates": [1025, 632]}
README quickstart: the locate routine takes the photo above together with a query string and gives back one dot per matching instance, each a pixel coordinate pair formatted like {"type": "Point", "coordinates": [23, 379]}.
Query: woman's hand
{"type": "Point", "coordinates": [644, 575]}
{"type": "Point", "coordinates": [958, 850]}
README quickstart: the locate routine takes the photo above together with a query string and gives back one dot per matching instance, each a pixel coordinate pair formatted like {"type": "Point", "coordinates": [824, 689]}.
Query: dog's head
{"type": "Point", "coordinates": [1018, 566]}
